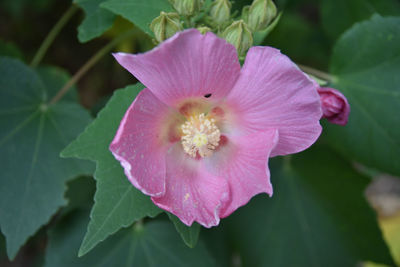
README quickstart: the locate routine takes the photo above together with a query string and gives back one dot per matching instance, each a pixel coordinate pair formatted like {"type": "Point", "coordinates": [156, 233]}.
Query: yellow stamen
{"type": "Point", "coordinates": [200, 135]}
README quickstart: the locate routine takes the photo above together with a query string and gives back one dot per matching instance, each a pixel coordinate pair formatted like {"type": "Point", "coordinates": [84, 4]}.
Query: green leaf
{"type": "Point", "coordinates": [32, 134]}
{"type": "Point", "coordinates": [80, 194]}
{"type": "Point", "coordinates": [97, 20]}
{"type": "Point", "coordinates": [153, 244]}
{"type": "Point", "coordinates": [117, 202]}
{"type": "Point", "coordinates": [339, 15]}
{"type": "Point", "coordinates": [139, 12]}
{"type": "Point", "coordinates": [318, 216]}
{"type": "Point", "coordinates": [368, 75]}
{"type": "Point", "coordinates": [190, 235]}
{"type": "Point", "coordinates": [219, 245]}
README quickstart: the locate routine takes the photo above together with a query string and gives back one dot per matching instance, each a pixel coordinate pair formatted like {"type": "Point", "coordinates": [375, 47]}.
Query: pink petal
{"type": "Point", "coordinates": [192, 194]}
{"type": "Point", "coordinates": [335, 107]}
{"type": "Point", "coordinates": [247, 169]}
{"type": "Point", "coordinates": [211, 188]}
{"type": "Point", "coordinates": [273, 93]}
{"type": "Point", "coordinates": [138, 144]}
{"type": "Point", "coordinates": [188, 64]}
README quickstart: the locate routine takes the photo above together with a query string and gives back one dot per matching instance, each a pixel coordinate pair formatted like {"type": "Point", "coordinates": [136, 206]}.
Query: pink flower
{"type": "Point", "coordinates": [335, 107]}
{"type": "Point", "coordinates": [198, 138]}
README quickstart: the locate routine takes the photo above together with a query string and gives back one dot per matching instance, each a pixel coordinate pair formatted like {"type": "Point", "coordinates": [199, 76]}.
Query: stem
{"type": "Point", "coordinates": [52, 35]}
{"type": "Point", "coordinates": [317, 73]}
{"type": "Point", "coordinates": [93, 60]}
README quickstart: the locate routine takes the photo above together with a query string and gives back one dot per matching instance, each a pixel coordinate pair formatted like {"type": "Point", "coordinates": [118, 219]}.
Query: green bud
{"type": "Point", "coordinates": [245, 13]}
{"type": "Point", "coordinates": [187, 7]}
{"type": "Point", "coordinates": [261, 13]}
{"type": "Point", "coordinates": [220, 11]}
{"type": "Point", "coordinates": [204, 29]}
{"type": "Point", "coordinates": [239, 34]}
{"type": "Point", "coordinates": [165, 25]}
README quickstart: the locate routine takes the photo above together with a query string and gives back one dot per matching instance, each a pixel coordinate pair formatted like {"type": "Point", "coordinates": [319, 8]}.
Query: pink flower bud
{"type": "Point", "coordinates": [334, 104]}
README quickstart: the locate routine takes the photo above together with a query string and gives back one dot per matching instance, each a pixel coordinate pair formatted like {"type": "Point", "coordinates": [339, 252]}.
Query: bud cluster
{"type": "Point", "coordinates": [239, 34]}
{"type": "Point", "coordinates": [260, 14]}
{"type": "Point", "coordinates": [165, 26]}
{"type": "Point", "coordinates": [220, 11]}
{"type": "Point", "coordinates": [217, 18]}
{"type": "Point", "coordinates": [187, 7]}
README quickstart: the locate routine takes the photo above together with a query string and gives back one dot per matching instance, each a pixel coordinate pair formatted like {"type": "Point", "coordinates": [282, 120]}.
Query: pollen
{"type": "Point", "coordinates": [200, 136]}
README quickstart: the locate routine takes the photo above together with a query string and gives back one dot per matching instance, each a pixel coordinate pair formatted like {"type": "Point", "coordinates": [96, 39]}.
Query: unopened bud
{"type": "Point", "coordinates": [239, 34]}
{"type": "Point", "coordinates": [261, 13]}
{"type": "Point", "coordinates": [165, 26]}
{"type": "Point", "coordinates": [187, 7]}
{"type": "Point", "coordinates": [335, 107]}
{"type": "Point", "coordinates": [220, 11]}
{"type": "Point", "coordinates": [245, 13]}
{"type": "Point", "coordinates": [204, 29]}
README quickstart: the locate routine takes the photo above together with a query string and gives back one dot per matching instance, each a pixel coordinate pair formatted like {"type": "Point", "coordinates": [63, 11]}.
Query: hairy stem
{"type": "Point", "coordinates": [317, 73]}
{"type": "Point", "coordinates": [52, 35]}
{"type": "Point", "coordinates": [93, 60]}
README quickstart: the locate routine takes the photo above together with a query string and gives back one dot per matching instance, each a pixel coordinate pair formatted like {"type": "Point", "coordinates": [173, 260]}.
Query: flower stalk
{"type": "Point", "coordinates": [92, 61]}
{"type": "Point", "coordinates": [317, 73]}
{"type": "Point", "coordinates": [52, 35]}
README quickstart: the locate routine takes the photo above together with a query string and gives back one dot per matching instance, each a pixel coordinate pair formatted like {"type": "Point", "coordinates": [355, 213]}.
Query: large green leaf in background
{"type": "Point", "coordinates": [152, 244]}
{"type": "Point", "coordinates": [97, 20]}
{"type": "Point", "coordinates": [318, 216]}
{"type": "Point", "coordinates": [32, 134]}
{"type": "Point", "coordinates": [117, 202]}
{"type": "Point", "coordinates": [80, 194]}
{"type": "Point", "coordinates": [300, 39]}
{"type": "Point", "coordinates": [139, 12]}
{"type": "Point", "coordinates": [366, 63]}
{"type": "Point", "coordinates": [339, 15]}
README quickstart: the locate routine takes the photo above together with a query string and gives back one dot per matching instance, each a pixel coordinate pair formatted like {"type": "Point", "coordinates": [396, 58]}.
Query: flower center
{"type": "Point", "coordinates": [200, 135]}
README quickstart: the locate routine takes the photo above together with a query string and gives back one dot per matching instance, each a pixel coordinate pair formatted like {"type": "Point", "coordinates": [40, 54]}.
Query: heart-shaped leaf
{"type": "Point", "coordinates": [318, 216]}
{"type": "Point", "coordinates": [33, 176]}
{"type": "Point", "coordinates": [339, 15]}
{"type": "Point", "coordinates": [366, 65]}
